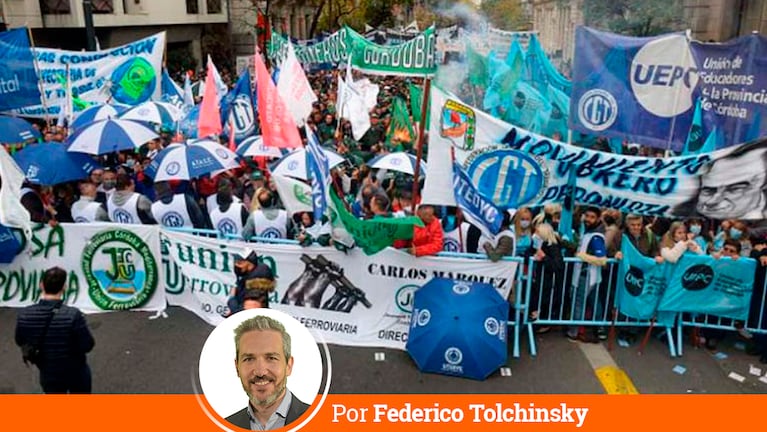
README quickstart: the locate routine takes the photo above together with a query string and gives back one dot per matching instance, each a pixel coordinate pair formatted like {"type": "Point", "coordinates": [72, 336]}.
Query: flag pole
{"type": "Point", "coordinates": [39, 83]}
{"type": "Point", "coordinates": [421, 134]}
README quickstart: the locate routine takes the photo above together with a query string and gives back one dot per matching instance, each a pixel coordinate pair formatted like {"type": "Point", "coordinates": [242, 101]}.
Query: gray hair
{"type": "Point", "coordinates": [260, 323]}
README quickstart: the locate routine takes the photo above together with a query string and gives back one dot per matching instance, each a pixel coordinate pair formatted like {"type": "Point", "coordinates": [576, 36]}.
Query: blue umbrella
{"type": "Point", "coordinates": [397, 161]}
{"type": "Point", "coordinates": [15, 130]}
{"type": "Point", "coordinates": [50, 163]}
{"type": "Point", "coordinates": [97, 112]}
{"type": "Point", "coordinates": [185, 162]}
{"type": "Point", "coordinates": [458, 328]}
{"type": "Point", "coordinates": [107, 136]}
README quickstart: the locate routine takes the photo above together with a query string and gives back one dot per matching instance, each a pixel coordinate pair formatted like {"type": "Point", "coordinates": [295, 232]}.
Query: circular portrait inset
{"type": "Point", "coordinates": [260, 369]}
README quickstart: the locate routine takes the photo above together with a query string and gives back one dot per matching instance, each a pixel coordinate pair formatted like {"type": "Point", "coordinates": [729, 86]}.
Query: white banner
{"type": "Point", "coordinates": [128, 74]}
{"type": "Point", "coordinates": [351, 299]}
{"type": "Point", "coordinates": [109, 267]}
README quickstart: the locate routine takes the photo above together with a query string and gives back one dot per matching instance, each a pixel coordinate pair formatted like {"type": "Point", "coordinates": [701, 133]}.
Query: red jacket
{"type": "Point", "coordinates": [428, 240]}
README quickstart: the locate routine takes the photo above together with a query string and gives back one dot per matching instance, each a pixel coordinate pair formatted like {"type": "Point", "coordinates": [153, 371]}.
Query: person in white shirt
{"type": "Point", "coordinates": [87, 209]}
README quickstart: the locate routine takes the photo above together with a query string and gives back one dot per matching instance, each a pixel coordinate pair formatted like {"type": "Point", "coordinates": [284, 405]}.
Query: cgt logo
{"type": "Point", "coordinates": [509, 178]}
{"type": "Point", "coordinates": [697, 277]}
{"type": "Point", "coordinates": [597, 109]}
{"type": "Point", "coordinates": [634, 281]}
{"type": "Point", "coordinates": [664, 76]}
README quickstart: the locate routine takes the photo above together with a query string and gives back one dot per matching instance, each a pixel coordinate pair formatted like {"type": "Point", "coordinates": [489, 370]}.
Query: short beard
{"type": "Point", "coordinates": [271, 399]}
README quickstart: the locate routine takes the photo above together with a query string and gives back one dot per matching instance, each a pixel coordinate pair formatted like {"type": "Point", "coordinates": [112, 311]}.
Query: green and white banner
{"type": "Point", "coordinates": [128, 74]}
{"type": "Point", "coordinates": [351, 299]}
{"type": "Point", "coordinates": [415, 57]}
{"type": "Point", "coordinates": [109, 267]}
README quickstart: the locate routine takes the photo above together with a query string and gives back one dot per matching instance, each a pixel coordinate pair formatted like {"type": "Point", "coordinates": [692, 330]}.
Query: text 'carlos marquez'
{"type": "Point", "coordinates": [473, 413]}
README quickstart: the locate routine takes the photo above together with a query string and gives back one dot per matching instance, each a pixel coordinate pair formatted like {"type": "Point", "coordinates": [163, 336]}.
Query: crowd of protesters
{"type": "Point", "coordinates": [123, 193]}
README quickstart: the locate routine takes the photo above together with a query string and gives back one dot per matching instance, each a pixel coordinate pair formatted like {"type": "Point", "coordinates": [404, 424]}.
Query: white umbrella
{"type": "Point", "coordinates": [294, 164]}
{"type": "Point", "coordinates": [159, 113]}
{"type": "Point", "coordinates": [397, 161]}
{"type": "Point", "coordinates": [254, 146]}
{"type": "Point", "coordinates": [97, 112]}
{"type": "Point", "coordinates": [107, 136]}
{"type": "Point", "coordinates": [188, 161]}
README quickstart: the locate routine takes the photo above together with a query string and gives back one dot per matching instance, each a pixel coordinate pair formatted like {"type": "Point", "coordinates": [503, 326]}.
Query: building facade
{"type": "Point", "coordinates": [708, 20]}
{"type": "Point", "coordinates": [61, 23]}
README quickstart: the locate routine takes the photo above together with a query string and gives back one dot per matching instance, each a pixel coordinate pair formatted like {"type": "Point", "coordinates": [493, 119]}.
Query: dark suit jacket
{"type": "Point", "coordinates": [295, 410]}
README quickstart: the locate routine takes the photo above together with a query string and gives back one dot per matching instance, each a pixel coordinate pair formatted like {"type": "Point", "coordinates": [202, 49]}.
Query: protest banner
{"type": "Point", "coordinates": [18, 78]}
{"type": "Point", "coordinates": [514, 167]}
{"type": "Point", "coordinates": [703, 284]}
{"type": "Point", "coordinates": [128, 74]}
{"type": "Point", "coordinates": [350, 299]}
{"type": "Point", "coordinates": [109, 267]}
{"type": "Point", "coordinates": [641, 283]}
{"type": "Point", "coordinates": [416, 57]}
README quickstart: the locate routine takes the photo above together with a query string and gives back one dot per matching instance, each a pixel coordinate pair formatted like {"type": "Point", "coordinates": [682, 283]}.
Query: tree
{"type": "Point", "coordinates": [505, 14]}
{"type": "Point", "coordinates": [634, 18]}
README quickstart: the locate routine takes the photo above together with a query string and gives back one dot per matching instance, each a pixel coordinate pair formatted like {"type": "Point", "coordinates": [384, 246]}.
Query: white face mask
{"type": "Point", "coordinates": [524, 224]}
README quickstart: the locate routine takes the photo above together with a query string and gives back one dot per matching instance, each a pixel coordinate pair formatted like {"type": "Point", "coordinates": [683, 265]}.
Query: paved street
{"type": "Point", "coordinates": [134, 354]}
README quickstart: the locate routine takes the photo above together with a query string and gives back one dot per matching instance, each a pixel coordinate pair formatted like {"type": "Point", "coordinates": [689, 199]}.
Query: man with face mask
{"type": "Point", "coordinates": [108, 183]}
{"type": "Point", "coordinates": [264, 362]}
{"type": "Point", "coordinates": [252, 276]}
{"type": "Point", "coordinates": [587, 275]}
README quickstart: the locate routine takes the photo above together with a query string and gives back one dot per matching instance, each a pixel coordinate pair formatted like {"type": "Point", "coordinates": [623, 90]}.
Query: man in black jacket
{"type": "Point", "coordinates": [264, 362]}
{"type": "Point", "coordinates": [63, 366]}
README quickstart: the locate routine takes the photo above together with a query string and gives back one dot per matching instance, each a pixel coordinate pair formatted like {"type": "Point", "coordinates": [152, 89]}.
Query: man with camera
{"type": "Point", "coordinates": [55, 338]}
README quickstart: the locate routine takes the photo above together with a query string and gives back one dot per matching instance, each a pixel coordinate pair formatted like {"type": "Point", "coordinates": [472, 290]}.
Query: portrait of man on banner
{"type": "Point", "coordinates": [732, 187]}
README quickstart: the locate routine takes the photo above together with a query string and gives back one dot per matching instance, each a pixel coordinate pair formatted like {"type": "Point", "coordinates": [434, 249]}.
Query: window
{"type": "Point", "coordinates": [214, 6]}
{"type": "Point", "coordinates": [192, 7]}
{"type": "Point", "coordinates": [103, 6]}
{"type": "Point", "coordinates": [55, 7]}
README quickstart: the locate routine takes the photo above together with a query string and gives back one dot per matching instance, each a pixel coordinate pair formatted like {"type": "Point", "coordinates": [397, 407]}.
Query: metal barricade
{"type": "Point", "coordinates": [565, 299]}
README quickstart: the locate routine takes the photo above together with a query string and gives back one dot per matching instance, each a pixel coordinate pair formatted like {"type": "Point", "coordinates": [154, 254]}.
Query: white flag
{"type": "Point", "coordinates": [294, 88]}
{"type": "Point", "coordinates": [354, 106]}
{"type": "Point", "coordinates": [12, 213]}
{"type": "Point", "coordinates": [221, 88]}
{"type": "Point", "coordinates": [295, 195]}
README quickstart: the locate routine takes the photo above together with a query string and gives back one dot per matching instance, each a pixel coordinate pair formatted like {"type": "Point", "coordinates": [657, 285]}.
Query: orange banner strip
{"type": "Point", "coordinates": [387, 413]}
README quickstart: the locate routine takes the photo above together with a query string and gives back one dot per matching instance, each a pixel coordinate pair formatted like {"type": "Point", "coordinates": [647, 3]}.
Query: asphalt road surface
{"type": "Point", "coordinates": [135, 354]}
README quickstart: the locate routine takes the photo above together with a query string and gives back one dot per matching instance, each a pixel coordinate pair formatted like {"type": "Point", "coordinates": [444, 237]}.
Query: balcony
{"type": "Point", "coordinates": [129, 13]}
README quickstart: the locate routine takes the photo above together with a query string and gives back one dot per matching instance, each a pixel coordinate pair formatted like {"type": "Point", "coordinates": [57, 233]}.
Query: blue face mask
{"type": "Point", "coordinates": [695, 229]}
{"type": "Point", "coordinates": [735, 233]}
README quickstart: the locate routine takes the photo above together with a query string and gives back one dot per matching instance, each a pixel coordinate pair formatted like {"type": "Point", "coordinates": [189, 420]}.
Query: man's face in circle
{"type": "Point", "coordinates": [729, 191]}
{"type": "Point", "coordinates": [262, 367]}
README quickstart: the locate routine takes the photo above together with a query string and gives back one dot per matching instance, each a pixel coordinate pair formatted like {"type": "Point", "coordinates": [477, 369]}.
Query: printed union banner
{"type": "Point", "coordinates": [641, 89]}
{"type": "Point", "coordinates": [116, 267]}
{"type": "Point", "coordinates": [350, 299]}
{"type": "Point", "coordinates": [513, 167]}
{"type": "Point", "coordinates": [415, 57]}
{"type": "Point", "coordinates": [18, 78]}
{"type": "Point", "coordinates": [412, 58]}
{"type": "Point", "coordinates": [731, 87]}
{"type": "Point", "coordinates": [128, 74]}
{"type": "Point", "coordinates": [641, 283]}
{"type": "Point", "coordinates": [705, 285]}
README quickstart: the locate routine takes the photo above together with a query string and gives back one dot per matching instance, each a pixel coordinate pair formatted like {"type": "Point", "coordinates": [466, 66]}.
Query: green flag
{"type": "Point", "coordinates": [416, 100]}
{"type": "Point", "coordinates": [415, 57]}
{"type": "Point", "coordinates": [477, 64]}
{"type": "Point", "coordinates": [372, 235]}
{"type": "Point", "coordinates": [400, 131]}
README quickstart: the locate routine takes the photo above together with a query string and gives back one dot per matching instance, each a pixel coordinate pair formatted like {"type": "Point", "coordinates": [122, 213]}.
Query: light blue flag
{"type": "Point", "coordinates": [641, 283]}
{"type": "Point", "coordinates": [524, 104]}
{"type": "Point", "coordinates": [754, 129]}
{"type": "Point", "coordinates": [515, 53]}
{"type": "Point", "coordinates": [695, 139]}
{"type": "Point", "coordinates": [317, 163]}
{"type": "Point", "coordinates": [539, 70]}
{"type": "Point", "coordinates": [556, 122]}
{"type": "Point", "coordinates": [714, 140]}
{"type": "Point", "coordinates": [188, 93]}
{"type": "Point", "coordinates": [703, 284]}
